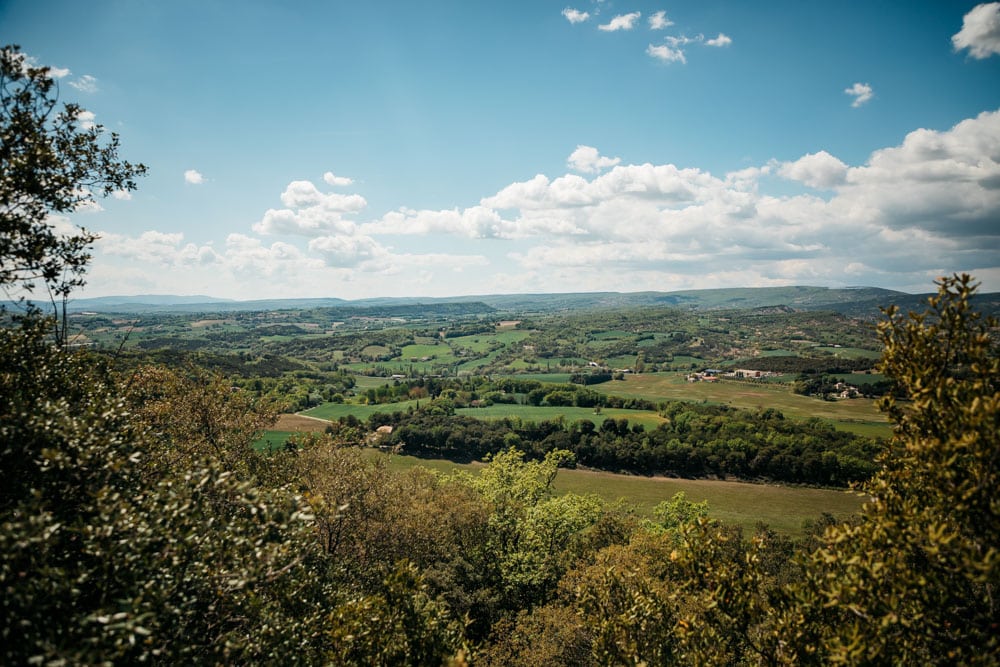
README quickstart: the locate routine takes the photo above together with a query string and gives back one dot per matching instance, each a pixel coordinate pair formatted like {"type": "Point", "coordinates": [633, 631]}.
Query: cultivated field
{"type": "Point", "coordinates": [857, 415]}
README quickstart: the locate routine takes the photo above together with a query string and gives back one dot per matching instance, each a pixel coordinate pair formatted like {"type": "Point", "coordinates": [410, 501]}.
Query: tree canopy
{"type": "Point", "coordinates": [53, 161]}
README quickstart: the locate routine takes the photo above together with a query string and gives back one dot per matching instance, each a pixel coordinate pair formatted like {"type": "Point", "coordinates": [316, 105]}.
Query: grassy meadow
{"type": "Point", "coordinates": [858, 415]}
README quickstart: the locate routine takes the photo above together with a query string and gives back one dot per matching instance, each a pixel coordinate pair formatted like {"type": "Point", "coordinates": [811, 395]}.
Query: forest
{"type": "Point", "coordinates": [139, 523]}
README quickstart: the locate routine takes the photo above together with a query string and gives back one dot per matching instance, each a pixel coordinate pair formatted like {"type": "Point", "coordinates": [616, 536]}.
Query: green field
{"type": "Point", "coordinates": [857, 415]}
{"type": "Point", "coordinates": [783, 508]}
{"type": "Point", "coordinates": [272, 439]}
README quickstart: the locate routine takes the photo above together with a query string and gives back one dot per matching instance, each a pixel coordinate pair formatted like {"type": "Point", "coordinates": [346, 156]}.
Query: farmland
{"type": "Point", "coordinates": [512, 364]}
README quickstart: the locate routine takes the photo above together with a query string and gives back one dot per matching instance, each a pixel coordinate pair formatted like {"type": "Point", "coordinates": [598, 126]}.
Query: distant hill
{"type": "Point", "coordinates": [859, 302]}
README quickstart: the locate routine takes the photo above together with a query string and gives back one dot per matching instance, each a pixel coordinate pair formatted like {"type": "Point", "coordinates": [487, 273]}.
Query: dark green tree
{"type": "Point", "coordinates": [915, 581]}
{"type": "Point", "coordinates": [51, 163]}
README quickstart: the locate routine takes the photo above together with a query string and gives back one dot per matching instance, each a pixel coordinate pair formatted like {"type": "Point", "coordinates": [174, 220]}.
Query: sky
{"type": "Point", "coordinates": [380, 148]}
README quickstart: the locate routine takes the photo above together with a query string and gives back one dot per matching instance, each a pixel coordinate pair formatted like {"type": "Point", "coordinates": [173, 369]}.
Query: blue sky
{"type": "Point", "coordinates": [445, 148]}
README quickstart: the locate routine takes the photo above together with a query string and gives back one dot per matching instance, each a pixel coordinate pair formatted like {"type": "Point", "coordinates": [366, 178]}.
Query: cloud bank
{"type": "Point", "coordinates": [909, 213]}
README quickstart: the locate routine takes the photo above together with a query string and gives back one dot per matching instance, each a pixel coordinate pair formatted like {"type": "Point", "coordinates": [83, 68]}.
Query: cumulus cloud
{"type": "Point", "coordinates": [911, 211]}
{"type": "Point", "coordinates": [193, 177]}
{"type": "Point", "coordinates": [666, 54]}
{"type": "Point", "coordinates": [659, 21]}
{"type": "Point", "coordinates": [85, 84]}
{"type": "Point", "coordinates": [861, 92]}
{"type": "Point", "coordinates": [588, 160]}
{"type": "Point", "coordinates": [980, 32]}
{"type": "Point", "coordinates": [620, 22]}
{"type": "Point", "coordinates": [337, 181]}
{"type": "Point", "coordinates": [310, 212]}
{"type": "Point", "coordinates": [818, 170]}
{"type": "Point", "coordinates": [304, 194]}
{"type": "Point", "coordinates": [722, 40]}
{"type": "Point", "coordinates": [945, 182]}
{"type": "Point", "coordinates": [575, 16]}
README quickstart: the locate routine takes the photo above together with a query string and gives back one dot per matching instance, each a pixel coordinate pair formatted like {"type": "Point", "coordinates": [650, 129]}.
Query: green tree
{"type": "Point", "coordinates": [915, 581]}
{"type": "Point", "coordinates": [51, 162]}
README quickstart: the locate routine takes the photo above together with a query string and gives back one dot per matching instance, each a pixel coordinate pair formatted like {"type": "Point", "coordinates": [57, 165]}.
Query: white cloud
{"type": "Point", "coordinates": [310, 212]}
{"type": "Point", "coordinates": [943, 182]}
{"type": "Point", "coordinates": [313, 221]}
{"type": "Point", "coordinates": [87, 119]}
{"type": "Point", "coordinates": [722, 40]}
{"type": "Point", "coordinates": [666, 54]}
{"type": "Point", "coordinates": [980, 32]}
{"type": "Point", "coordinates": [337, 181]}
{"type": "Point", "coordinates": [861, 92]}
{"type": "Point", "coordinates": [59, 72]}
{"type": "Point", "coordinates": [85, 84]}
{"type": "Point", "coordinates": [924, 207]}
{"type": "Point", "coordinates": [818, 170]}
{"type": "Point", "coordinates": [575, 16]}
{"type": "Point", "coordinates": [150, 246]}
{"type": "Point", "coordinates": [671, 50]}
{"type": "Point", "coordinates": [476, 222]}
{"type": "Point", "coordinates": [303, 194]}
{"type": "Point", "coordinates": [588, 160]}
{"type": "Point", "coordinates": [122, 195]}
{"type": "Point", "coordinates": [194, 177]}
{"type": "Point", "coordinates": [349, 251]}
{"type": "Point", "coordinates": [659, 21]}
{"type": "Point", "coordinates": [620, 22]}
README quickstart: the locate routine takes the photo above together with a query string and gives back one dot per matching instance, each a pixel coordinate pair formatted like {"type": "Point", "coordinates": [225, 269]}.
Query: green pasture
{"type": "Point", "coordinates": [856, 415]}
{"type": "Point", "coordinates": [860, 379]}
{"type": "Point", "coordinates": [272, 439]}
{"type": "Point", "coordinates": [624, 361]}
{"type": "Point", "coordinates": [783, 508]}
{"type": "Point", "coordinates": [365, 382]}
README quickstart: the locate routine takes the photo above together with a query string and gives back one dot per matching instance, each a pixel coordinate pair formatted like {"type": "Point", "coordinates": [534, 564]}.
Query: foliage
{"type": "Point", "coordinates": [915, 580]}
{"type": "Point", "coordinates": [196, 416]}
{"type": "Point", "coordinates": [51, 162]}
{"type": "Point", "coordinates": [126, 538]}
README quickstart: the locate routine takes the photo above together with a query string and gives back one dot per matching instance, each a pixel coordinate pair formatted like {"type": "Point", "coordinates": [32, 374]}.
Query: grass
{"type": "Point", "coordinates": [272, 439]}
{"type": "Point", "coordinates": [852, 415]}
{"type": "Point", "coordinates": [783, 508]}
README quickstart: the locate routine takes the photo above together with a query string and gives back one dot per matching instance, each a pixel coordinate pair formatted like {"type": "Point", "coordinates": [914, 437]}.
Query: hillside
{"type": "Point", "coordinates": [859, 302]}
